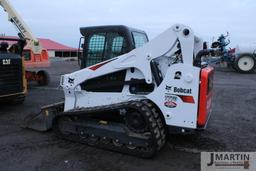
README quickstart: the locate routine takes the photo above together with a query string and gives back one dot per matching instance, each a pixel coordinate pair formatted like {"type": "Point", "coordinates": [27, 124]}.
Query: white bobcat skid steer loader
{"type": "Point", "coordinates": [126, 103]}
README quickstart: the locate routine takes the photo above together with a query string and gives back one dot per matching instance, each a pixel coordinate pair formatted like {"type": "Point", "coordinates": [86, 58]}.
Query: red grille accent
{"type": "Point", "coordinates": [187, 99]}
{"type": "Point", "coordinates": [97, 66]}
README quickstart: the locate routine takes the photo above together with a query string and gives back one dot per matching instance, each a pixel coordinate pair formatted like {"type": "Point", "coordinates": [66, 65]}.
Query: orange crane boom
{"type": "Point", "coordinates": [35, 56]}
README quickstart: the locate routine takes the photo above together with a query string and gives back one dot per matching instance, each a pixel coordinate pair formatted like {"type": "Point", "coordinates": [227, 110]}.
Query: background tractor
{"type": "Point", "coordinates": [242, 58]}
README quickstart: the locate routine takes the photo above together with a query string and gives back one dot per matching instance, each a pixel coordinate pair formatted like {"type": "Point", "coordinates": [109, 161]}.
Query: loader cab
{"type": "Point", "coordinates": [13, 86]}
{"type": "Point", "coordinates": [100, 43]}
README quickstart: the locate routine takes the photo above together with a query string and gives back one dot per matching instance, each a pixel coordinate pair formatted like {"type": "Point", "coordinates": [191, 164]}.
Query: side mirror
{"type": "Point", "coordinates": [82, 45]}
{"type": "Point", "coordinates": [79, 51]}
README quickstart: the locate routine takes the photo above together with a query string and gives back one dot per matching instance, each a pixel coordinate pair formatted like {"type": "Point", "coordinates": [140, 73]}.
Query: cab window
{"type": "Point", "coordinates": [104, 46]}
{"type": "Point", "coordinates": [139, 39]}
{"type": "Point", "coordinates": [95, 49]}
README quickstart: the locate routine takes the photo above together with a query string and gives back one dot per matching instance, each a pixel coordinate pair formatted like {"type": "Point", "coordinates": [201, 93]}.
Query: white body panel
{"type": "Point", "coordinates": [160, 49]}
{"type": "Point", "coordinates": [184, 114]}
{"type": "Point", "coordinates": [246, 48]}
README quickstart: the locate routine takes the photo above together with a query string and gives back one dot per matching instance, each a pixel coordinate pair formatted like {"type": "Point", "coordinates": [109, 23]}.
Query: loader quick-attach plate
{"type": "Point", "coordinates": [42, 121]}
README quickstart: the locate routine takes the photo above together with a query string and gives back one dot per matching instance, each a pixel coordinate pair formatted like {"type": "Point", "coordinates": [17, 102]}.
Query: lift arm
{"type": "Point", "coordinates": [163, 45]}
{"type": "Point", "coordinates": [25, 32]}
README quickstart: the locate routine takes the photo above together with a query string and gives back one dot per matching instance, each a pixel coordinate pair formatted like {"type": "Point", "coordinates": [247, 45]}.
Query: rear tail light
{"type": "Point", "coordinates": [205, 97]}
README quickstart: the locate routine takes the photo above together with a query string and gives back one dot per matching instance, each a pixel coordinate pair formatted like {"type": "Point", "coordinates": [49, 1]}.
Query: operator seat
{"type": "Point", "coordinates": [3, 47]}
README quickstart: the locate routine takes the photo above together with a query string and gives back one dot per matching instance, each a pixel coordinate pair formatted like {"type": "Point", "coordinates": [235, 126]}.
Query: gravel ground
{"type": "Point", "coordinates": [231, 128]}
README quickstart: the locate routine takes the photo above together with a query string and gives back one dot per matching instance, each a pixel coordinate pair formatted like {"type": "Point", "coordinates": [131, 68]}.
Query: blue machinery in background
{"type": "Point", "coordinates": [224, 54]}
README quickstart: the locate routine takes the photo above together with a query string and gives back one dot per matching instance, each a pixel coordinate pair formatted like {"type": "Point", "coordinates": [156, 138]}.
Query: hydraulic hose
{"type": "Point", "coordinates": [197, 61]}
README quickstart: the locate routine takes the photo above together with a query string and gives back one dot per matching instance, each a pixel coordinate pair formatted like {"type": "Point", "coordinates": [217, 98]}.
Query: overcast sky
{"type": "Point", "coordinates": [60, 20]}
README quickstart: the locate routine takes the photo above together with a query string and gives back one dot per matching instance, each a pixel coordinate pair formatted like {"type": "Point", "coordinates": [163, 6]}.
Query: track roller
{"type": "Point", "coordinates": [137, 130]}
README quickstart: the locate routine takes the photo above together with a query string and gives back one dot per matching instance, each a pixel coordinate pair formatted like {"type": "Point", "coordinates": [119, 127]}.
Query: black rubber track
{"type": "Point", "coordinates": [155, 128]}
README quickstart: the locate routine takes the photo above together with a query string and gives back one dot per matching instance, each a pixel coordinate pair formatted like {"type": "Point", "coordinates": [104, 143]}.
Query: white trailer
{"type": "Point", "coordinates": [245, 58]}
